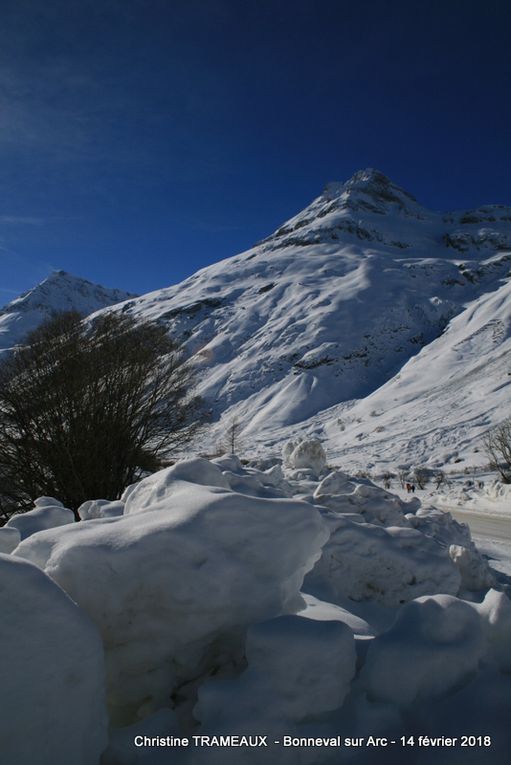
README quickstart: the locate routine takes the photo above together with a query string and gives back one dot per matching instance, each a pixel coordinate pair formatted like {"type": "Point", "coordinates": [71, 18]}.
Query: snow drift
{"type": "Point", "coordinates": [173, 583]}
{"type": "Point", "coordinates": [225, 608]}
{"type": "Point", "coordinates": [53, 684]}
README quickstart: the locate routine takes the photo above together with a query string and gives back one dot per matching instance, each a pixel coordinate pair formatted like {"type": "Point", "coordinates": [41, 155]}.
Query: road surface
{"type": "Point", "coordinates": [483, 524]}
{"type": "Point", "coordinates": [492, 535]}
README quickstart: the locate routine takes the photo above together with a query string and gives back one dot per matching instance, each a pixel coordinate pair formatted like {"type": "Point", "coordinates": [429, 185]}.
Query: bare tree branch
{"type": "Point", "coordinates": [85, 409]}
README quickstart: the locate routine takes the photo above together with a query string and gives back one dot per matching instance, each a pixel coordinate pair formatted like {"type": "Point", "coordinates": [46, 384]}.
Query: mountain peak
{"type": "Point", "coordinates": [60, 291]}
{"type": "Point", "coordinates": [372, 184]}
{"type": "Point", "coordinates": [366, 206]}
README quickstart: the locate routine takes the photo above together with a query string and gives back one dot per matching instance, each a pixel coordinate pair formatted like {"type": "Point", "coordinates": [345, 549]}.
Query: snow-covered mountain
{"type": "Point", "coordinates": [363, 319]}
{"type": "Point", "coordinates": [59, 292]}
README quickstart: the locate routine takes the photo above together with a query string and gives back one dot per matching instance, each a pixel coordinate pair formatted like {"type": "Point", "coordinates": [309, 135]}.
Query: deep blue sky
{"type": "Point", "coordinates": [143, 139]}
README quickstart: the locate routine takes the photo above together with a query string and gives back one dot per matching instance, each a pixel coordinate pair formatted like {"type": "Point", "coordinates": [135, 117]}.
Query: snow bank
{"type": "Point", "coordinates": [305, 454]}
{"type": "Point", "coordinates": [495, 612]}
{"type": "Point", "coordinates": [322, 611]}
{"type": "Point", "coordinates": [42, 517]}
{"type": "Point", "coordinates": [342, 494]}
{"type": "Point", "coordinates": [173, 583]}
{"type": "Point", "coordinates": [307, 665]}
{"type": "Point", "coordinates": [435, 644]}
{"type": "Point", "coordinates": [100, 508]}
{"type": "Point", "coordinates": [298, 669]}
{"type": "Point", "coordinates": [47, 502]}
{"type": "Point", "coordinates": [159, 487]}
{"type": "Point", "coordinates": [389, 565]}
{"type": "Point", "coordinates": [252, 481]}
{"type": "Point", "coordinates": [440, 525]}
{"type": "Point", "coordinates": [53, 698]}
{"type": "Point", "coordinates": [228, 462]}
{"type": "Point", "coordinates": [121, 749]}
{"type": "Point", "coordinates": [9, 539]}
{"type": "Point", "coordinates": [474, 569]}
{"type": "Point", "coordinates": [498, 491]}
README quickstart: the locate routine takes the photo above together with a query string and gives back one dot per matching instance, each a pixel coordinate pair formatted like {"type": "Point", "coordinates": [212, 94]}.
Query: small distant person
{"type": "Point", "coordinates": [408, 488]}
{"type": "Point", "coordinates": [413, 488]}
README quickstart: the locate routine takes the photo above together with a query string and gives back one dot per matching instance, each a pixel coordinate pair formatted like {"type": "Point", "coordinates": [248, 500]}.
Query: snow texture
{"type": "Point", "coordinates": [53, 708]}
{"type": "Point", "coordinates": [9, 539]}
{"type": "Point", "coordinates": [389, 565]}
{"type": "Point", "coordinates": [474, 570]}
{"type": "Point", "coordinates": [435, 644]}
{"type": "Point", "coordinates": [44, 516]}
{"type": "Point", "coordinates": [100, 508]}
{"type": "Point", "coordinates": [305, 454]}
{"type": "Point", "coordinates": [297, 668]}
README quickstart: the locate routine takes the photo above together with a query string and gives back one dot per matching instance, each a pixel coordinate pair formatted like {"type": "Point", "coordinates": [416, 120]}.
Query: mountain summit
{"type": "Point", "coordinates": [58, 292]}
{"type": "Point", "coordinates": [371, 184]}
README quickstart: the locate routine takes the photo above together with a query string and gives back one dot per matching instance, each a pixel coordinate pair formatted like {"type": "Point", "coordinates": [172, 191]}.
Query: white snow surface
{"type": "Point", "coordinates": [389, 565]}
{"type": "Point", "coordinates": [9, 539]}
{"type": "Point", "coordinates": [52, 669]}
{"type": "Point", "coordinates": [435, 643]}
{"type": "Point", "coordinates": [43, 516]}
{"type": "Point", "coordinates": [100, 508]}
{"type": "Point", "coordinates": [298, 669]}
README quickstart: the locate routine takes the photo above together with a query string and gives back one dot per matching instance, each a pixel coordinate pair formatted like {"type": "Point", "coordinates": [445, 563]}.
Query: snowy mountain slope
{"type": "Point", "coordinates": [59, 292]}
{"type": "Point", "coordinates": [444, 398]}
{"type": "Point", "coordinates": [331, 306]}
{"type": "Point", "coordinates": [435, 410]}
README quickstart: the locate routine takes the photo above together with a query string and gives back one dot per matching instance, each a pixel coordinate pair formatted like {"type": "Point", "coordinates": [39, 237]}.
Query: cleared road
{"type": "Point", "coordinates": [485, 526]}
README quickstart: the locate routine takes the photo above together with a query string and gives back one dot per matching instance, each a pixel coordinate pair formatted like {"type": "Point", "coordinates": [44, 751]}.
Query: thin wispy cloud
{"type": "Point", "coordinates": [21, 220]}
{"type": "Point", "coordinates": [9, 291]}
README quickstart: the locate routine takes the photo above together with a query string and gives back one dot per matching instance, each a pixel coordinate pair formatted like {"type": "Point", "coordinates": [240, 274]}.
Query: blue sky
{"type": "Point", "coordinates": [143, 139]}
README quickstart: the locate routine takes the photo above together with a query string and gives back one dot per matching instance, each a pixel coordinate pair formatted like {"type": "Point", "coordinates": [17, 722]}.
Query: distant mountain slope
{"type": "Point", "coordinates": [331, 306]}
{"type": "Point", "coordinates": [59, 292]}
{"type": "Point", "coordinates": [443, 399]}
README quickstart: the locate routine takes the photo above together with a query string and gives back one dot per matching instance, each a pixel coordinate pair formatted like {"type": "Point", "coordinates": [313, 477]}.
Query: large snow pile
{"type": "Point", "coordinates": [100, 508]}
{"type": "Point", "coordinates": [305, 454]}
{"type": "Point", "coordinates": [9, 539]}
{"type": "Point", "coordinates": [298, 669]}
{"type": "Point", "coordinates": [47, 514]}
{"type": "Point", "coordinates": [434, 644]}
{"type": "Point", "coordinates": [52, 689]}
{"type": "Point", "coordinates": [344, 495]}
{"type": "Point", "coordinates": [237, 599]}
{"type": "Point", "coordinates": [390, 565]}
{"type": "Point", "coordinates": [173, 582]}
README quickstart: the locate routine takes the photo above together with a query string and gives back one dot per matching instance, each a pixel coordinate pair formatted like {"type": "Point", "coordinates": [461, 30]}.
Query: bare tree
{"type": "Point", "coordinates": [387, 480]}
{"type": "Point", "coordinates": [421, 477]}
{"type": "Point", "coordinates": [86, 408]}
{"type": "Point", "coordinates": [231, 441]}
{"type": "Point", "coordinates": [497, 443]}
